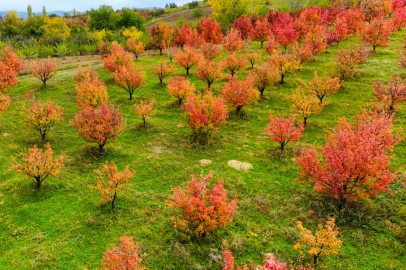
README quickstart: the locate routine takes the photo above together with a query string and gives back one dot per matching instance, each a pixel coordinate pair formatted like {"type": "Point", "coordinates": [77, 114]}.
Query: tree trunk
{"type": "Point", "coordinates": [101, 149]}
{"type": "Point", "coordinates": [131, 95]}
{"type": "Point", "coordinates": [283, 76]}
{"type": "Point", "coordinates": [161, 80]}
{"type": "Point", "coordinates": [315, 257]}
{"type": "Point", "coordinates": [45, 83]}
{"type": "Point", "coordinates": [252, 64]}
{"type": "Point", "coordinates": [282, 147]}
{"type": "Point", "coordinates": [262, 43]}
{"type": "Point", "coordinates": [136, 56]}
{"type": "Point", "coordinates": [144, 122]}
{"type": "Point", "coordinates": [160, 51]}
{"type": "Point", "coordinates": [305, 121]}
{"type": "Point", "coordinates": [262, 91]}
{"type": "Point", "coordinates": [187, 71]}
{"type": "Point", "coordinates": [113, 200]}
{"type": "Point", "coordinates": [180, 101]}
{"type": "Point", "coordinates": [39, 183]}
{"type": "Point", "coordinates": [239, 108]}
{"type": "Point", "coordinates": [43, 136]}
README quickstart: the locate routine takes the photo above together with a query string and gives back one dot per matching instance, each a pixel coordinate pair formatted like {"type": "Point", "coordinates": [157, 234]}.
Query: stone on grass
{"type": "Point", "coordinates": [238, 165]}
{"type": "Point", "coordinates": [205, 162]}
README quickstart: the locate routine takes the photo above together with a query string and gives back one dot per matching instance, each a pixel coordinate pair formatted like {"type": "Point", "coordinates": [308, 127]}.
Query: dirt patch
{"type": "Point", "coordinates": [187, 14]}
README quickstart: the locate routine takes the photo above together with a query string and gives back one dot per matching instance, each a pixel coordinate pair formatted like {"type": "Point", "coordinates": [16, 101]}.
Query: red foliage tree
{"type": "Point", "coordinates": [233, 64]}
{"type": "Point", "coordinates": [44, 69]}
{"type": "Point", "coordinates": [317, 40]}
{"type": "Point", "coordinates": [10, 66]}
{"type": "Point", "coordinates": [99, 125]}
{"type": "Point", "coordinates": [203, 114]}
{"type": "Point", "coordinates": [187, 58]}
{"type": "Point", "coordinates": [161, 35]}
{"type": "Point", "coordinates": [105, 49]}
{"type": "Point", "coordinates": [354, 164]}
{"type": "Point", "coordinates": [354, 19]}
{"type": "Point", "coordinates": [210, 50]}
{"type": "Point", "coordinates": [129, 79]}
{"type": "Point", "coordinates": [376, 33]}
{"type": "Point", "coordinates": [399, 18]}
{"type": "Point", "coordinates": [392, 94]}
{"type": "Point", "coordinates": [91, 93]}
{"type": "Point", "coordinates": [4, 102]}
{"type": "Point", "coordinates": [283, 130]}
{"type": "Point", "coordinates": [117, 57]}
{"type": "Point", "coordinates": [202, 210]}
{"type": "Point", "coordinates": [84, 75]}
{"type": "Point", "coordinates": [124, 256]}
{"type": "Point", "coordinates": [136, 48]}
{"type": "Point", "coordinates": [284, 30]}
{"type": "Point", "coordinates": [303, 53]}
{"type": "Point", "coordinates": [144, 110]}
{"type": "Point", "coordinates": [261, 31]}
{"type": "Point", "coordinates": [239, 93]}
{"type": "Point", "coordinates": [244, 25]}
{"type": "Point", "coordinates": [182, 36]}
{"type": "Point", "coordinates": [210, 31]}
{"type": "Point", "coordinates": [38, 165]}
{"type": "Point", "coordinates": [233, 41]}
{"type": "Point", "coordinates": [209, 71]}
{"type": "Point", "coordinates": [264, 76]}
{"type": "Point", "coordinates": [180, 88]}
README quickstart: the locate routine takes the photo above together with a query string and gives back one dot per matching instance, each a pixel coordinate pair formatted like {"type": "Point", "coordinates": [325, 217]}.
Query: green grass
{"type": "Point", "coordinates": [64, 226]}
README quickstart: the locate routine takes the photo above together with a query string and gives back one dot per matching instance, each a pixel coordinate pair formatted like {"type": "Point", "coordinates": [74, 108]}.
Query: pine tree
{"type": "Point", "coordinates": [44, 11]}
{"type": "Point", "coordinates": [29, 12]}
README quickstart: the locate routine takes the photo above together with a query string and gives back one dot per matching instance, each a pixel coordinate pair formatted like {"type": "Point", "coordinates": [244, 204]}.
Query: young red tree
{"type": "Point", "coordinates": [111, 181]}
{"type": "Point", "coordinates": [44, 69]}
{"type": "Point", "coordinates": [354, 164]}
{"type": "Point", "coordinates": [239, 93]}
{"type": "Point", "coordinates": [136, 48]}
{"type": "Point", "coordinates": [10, 66]}
{"type": "Point", "coordinates": [233, 41]}
{"type": "Point", "coordinates": [272, 46]}
{"type": "Point", "coordinates": [209, 71]}
{"type": "Point", "coordinates": [42, 117]}
{"type": "Point", "coordinates": [91, 93]}
{"type": "Point", "coordinates": [346, 60]}
{"type": "Point", "coordinates": [37, 165]}
{"type": "Point", "coordinates": [117, 57]}
{"type": "Point", "coordinates": [99, 125]}
{"type": "Point", "coordinates": [284, 30]}
{"type": "Point", "coordinates": [129, 79]}
{"type": "Point", "coordinates": [84, 75]}
{"type": "Point", "coordinates": [376, 33]}
{"type": "Point", "coordinates": [264, 76]}
{"type": "Point", "coordinates": [210, 50]}
{"type": "Point", "coordinates": [392, 94]}
{"type": "Point", "coordinates": [203, 114]}
{"type": "Point", "coordinates": [161, 35]}
{"type": "Point", "coordinates": [399, 18]}
{"type": "Point", "coordinates": [182, 36]}
{"type": "Point", "coordinates": [354, 18]}
{"type": "Point", "coordinates": [261, 31]}
{"type": "Point", "coordinates": [202, 210]}
{"type": "Point", "coordinates": [302, 53]}
{"type": "Point", "coordinates": [317, 39]}
{"type": "Point", "coordinates": [105, 49]}
{"type": "Point", "coordinates": [124, 256]}
{"type": "Point", "coordinates": [196, 40]}
{"type": "Point", "coordinates": [180, 88]}
{"type": "Point", "coordinates": [244, 25]}
{"type": "Point", "coordinates": [233, 64]}
{"type": "Point", "coordinates": [163, 70]}
{"type": "Point", "coordinates": [283, 130]}
{"type": "Point", "coordinates": [187, 58]}
{"type": "Point", "coordinates": [144, 110]}
{"type": "Point", "coordinates": [210, 31]}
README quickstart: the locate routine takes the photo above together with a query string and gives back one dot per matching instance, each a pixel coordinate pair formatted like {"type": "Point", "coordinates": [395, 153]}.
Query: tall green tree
{"type": "Point", "coordinates": [44, 11]}
{"type": "Point", "coordinates": [29, 12]}
{"type": "Point", "coordinates": [103, 18]}
{"type": "Point", "coordinates": [130, 18]}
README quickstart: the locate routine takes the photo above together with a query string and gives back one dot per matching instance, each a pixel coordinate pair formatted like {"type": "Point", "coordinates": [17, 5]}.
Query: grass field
{"type": "Point", "coordinates": [64, 226]}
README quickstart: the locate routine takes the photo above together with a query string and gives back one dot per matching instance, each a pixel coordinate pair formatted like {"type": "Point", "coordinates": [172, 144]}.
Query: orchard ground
{"type": "Point", "coordinates": [64, 226]}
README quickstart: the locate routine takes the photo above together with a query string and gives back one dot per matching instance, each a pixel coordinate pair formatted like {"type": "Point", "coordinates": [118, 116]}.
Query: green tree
{"type": "Point", "coordinates": [34, 27]}
{"type": "Point", "coordinates": [44, 11]}
{"type": "Point", "coordinates": [198, 13]}
{"type": "Point", "coordinates": [12, 24]}
{"type": "Point", "coordinates": [29, 12]}
{"type": "Point", "coordinates": [130, 18]}
{"type": "Point", "coordinates": [103, 18]}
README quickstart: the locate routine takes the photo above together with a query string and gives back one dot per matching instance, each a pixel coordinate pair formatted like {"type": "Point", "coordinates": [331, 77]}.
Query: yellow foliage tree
{"type": "Point", "coordinates": [56, 27]}
{"type": "Point", "coordinates": [320, 88]}
{"type": "Point", "coordinates": [324, 242]}
{"type": "Point", "coordinates": [226, 11]}
{"type": "Point", "coordinates": [132, 32]}
{"type": "Point", "coordinates": [285, 63]}
{"type": "Point", "coordinates": [305, 105]}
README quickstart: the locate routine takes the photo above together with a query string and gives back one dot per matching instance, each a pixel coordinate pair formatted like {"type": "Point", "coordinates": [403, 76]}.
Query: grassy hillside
{"type": "Point", "coordinates": [64, 226]}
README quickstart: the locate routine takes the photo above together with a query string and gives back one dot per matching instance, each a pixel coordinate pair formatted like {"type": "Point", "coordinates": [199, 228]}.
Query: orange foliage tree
{"type": "Point", "coordinates": [233, 41]}
{"type": "Point", "coordinates": [180, 88]}
{"type": "Point", "coordinates": [124, 256]}
{"type": "Point", "coordinates": [111, 181]}
{"type": "Point", "coordinates": [252, 57]}
{"type": "Point", "coordinates": [239, 93]}
{"type": "Point", "coordinates": [209, 71]}
{"type": "Point", "coordinates": [99, 125]}
{"type": "Point", "coordinates": [88, 74]}
{"type": "Point", "coordinates": [264, 76]}
{"type": "Point", "coordinates": [203, 114]}
{"type": "Point", "coordinates": [37, 164]}
{"type": "Point", "coordinates": [161, 35]}
{"type": "Point", "coordinates": [346, 60]}
{"type": "Point", "coordinates": [10, 66]}
{"type": "Point", "coordinates": [210, 50]}
{"type": "Point", "coordinates": [376, 33]}
{"type": "Point", "coordinates": [284, 63]}
{"type": "Point", "coordinates": [144, 110]}
{"type": "Point", "coordinates": [136, 48]}
{"type": "Point", "coordinates": [44, 69]}
{"type": "Point", "coordinates": [233, 64]}
{"type": "Point", "coordinates": [317, 40]}
{"type": "Point", "coordinates": [354, 163]}
{"type": "Point", "coordinates": [163, 70]}
{"type": "Point", "coordinates": [324, 242]}
{"type": "Point", "coordinates": [392, 94]}
{"type": "Point", "coordinates": [187, 58]}
{"type": "Point", "coordinates": [305, 105]}
{"type": "Point", "coordinates": [117, 57]}
{"type": "Point", "coordinates": [303, 53]}
{"type": "Point", "coordinates": [321, 88]}
{"type": "Point", "coordinates": [91, 93]}
{"type": "Point", "coordinates": [261, 31]}
{"type": "Point", "coordinates": [41, 117]}
{"type": "Point", "coordinates": [202, 210]}
{"type": "Point", "coordinates": [4, 102]}
{"type": "Point", "coordinates": [283, 130]}
{"type": "Point", "coordinates": [129, 79]}
{"type": "Point", "coordinates": [210, 31]}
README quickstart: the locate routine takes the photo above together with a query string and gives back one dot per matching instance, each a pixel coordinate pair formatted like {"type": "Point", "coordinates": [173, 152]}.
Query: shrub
{"type": "Point", "coordinates": [84, 75]}
{"type": "Point", "coordinates": [198, 13]}
{"type": "Point", "coordinates": [284, 63]}
{"type": "Point", "coordinates": [264, 76]}
{"type": "Point", "coordinates": [180, 88]}
{"type": "Point", "coordinates": [91, 93]}
{"type": "Point", "coordinates": [252, 57]}
{"type": "Point", "coordinates": [44, 69]}
{"type": "Point", "coordinates": [37, 165]}
{"type": "Point", "coordinates": [162, 70]}
{"type": "Point", "coordinates": [129, 79]}
{"type": "Point", "coordinates": [239, 93]}
{"type": "Point", "coordinates": [233, 64]}
{"type": "Point", "coordinates": [117, 57]}
{"type": "Point", "coordinates": [187, 58]}
{"type": "Point", "coordinates": [144, 110]}
{"type": "Point", "coordinates": [321, 88]}
{"type": "Point", "coordinates": [305, 105]}
{"type": "Point", "coordinates": [392, 94]}
{"type": "Point", "coordinates": [202, 210]}
{"type": "Point", "coordinates": [233, 42]}
{"type": "Point", "coordinates": [209, 71]}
